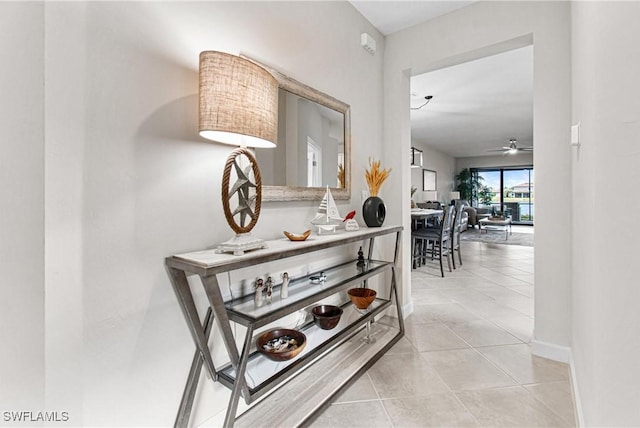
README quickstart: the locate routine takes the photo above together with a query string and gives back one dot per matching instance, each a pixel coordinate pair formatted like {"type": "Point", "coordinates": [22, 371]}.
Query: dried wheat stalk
{"type": "Point", "coordinates": [340, 175]}
{"type": "Point", "coordinates": [375, 176]}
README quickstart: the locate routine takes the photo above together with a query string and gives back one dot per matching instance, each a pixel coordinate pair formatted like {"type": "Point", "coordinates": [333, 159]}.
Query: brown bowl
{"type": "Point", "coordinates": [297, 237]}
{"type": "Point", "coordinates": [326, 316]}
{"type": "Point", "coordinates": [281, 355]}
{"type": "Point", "coordinates": [362, 297]}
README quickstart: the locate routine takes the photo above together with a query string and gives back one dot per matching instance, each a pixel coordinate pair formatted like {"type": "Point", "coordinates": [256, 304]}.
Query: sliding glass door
{"type": "Point", "coordinates": [518, 194]}
{"type": "Point", "coordinates": [508, 189]}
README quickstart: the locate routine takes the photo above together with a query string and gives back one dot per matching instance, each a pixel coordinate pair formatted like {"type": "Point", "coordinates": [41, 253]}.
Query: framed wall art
{"type": "Point", "coordinates": [429, 179]}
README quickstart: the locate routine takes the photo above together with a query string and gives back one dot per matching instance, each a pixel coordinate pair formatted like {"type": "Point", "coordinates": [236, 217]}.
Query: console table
{"type": "Point", "coordinates": [331, 360]}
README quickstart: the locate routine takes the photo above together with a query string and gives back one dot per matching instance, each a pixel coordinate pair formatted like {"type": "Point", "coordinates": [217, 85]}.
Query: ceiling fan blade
{"type": "Point", "coordinates": [497, 150]}
{"type": "Point", "coordinates": [525, 149]}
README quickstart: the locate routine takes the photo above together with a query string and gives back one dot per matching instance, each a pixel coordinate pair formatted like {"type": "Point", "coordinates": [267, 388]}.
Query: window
{"type": "Point", "coordinates": [507, 189]}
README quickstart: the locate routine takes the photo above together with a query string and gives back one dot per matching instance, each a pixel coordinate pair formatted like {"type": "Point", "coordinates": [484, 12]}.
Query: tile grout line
{"type": "Point", "coordinates": [518, 383]}
{"type": "Point", "coordinates": [545, 405]}
{"type": "Point", "coordinates": [477, 349]}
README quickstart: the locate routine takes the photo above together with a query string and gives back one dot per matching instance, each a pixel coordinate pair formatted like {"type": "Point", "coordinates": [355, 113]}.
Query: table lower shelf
{"type": "Point", "coordinates": [261, 371]}
{"type": "Point", "coordinates": [301, 398]}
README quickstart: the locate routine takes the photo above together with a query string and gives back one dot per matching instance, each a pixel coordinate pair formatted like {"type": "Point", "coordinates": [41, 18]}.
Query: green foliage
{"type": "Point", "coordinates": [469, 184]}
{"type": "Point", "coordinates": [413, 190]}
{"type": "Point", "coordinates": [485, 196]}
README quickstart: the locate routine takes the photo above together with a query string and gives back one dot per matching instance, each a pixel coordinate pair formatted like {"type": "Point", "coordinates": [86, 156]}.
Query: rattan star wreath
{"type": "Point", "coordinates": [247, 189]}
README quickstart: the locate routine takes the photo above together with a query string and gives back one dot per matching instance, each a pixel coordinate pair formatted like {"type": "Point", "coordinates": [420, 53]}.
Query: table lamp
{"type": "Point", "coordinates": [238, 106]}
{"type": "Point", "coordinates": [453, 197]}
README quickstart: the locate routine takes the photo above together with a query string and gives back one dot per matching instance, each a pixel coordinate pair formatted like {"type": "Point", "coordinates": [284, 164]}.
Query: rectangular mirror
{"type": "Point", "coordinates": [314, 146]}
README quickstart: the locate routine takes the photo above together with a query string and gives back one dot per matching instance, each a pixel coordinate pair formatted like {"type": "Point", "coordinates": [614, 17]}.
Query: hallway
{"type": "Point", "coordinates": [465, 359]}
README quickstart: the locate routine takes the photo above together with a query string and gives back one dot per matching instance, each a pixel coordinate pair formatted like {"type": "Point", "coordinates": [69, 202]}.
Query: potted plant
{"type": "Point", "coordinates": [413, 190]}
{"type": "Point", "coordinates": [469, 185]}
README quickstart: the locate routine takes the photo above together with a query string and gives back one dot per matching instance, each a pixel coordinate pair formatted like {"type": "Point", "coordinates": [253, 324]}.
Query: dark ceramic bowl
{"type": "Point", "coordinates": [362, 297]}
{"type": "Point", "coordinates": [283, 355]}
{"type": "Point", "coordinates": [326, 316]}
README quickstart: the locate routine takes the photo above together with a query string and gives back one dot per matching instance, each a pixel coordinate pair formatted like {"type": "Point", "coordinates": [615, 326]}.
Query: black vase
{"type": "Point", "coordinates": [374, 211]}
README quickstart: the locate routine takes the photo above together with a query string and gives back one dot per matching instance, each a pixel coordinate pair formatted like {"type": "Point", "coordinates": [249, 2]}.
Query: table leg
{"type": "Point", "coordinates": [186, 404]}
{"type": "Point", "coordinates": [188, 307]}
{"type": "Point", "coordinates": [369, 255]}
{"type": "Point", "coordinates": [216, 302]}
{"type": "Point", "coordinates": [240, 383]}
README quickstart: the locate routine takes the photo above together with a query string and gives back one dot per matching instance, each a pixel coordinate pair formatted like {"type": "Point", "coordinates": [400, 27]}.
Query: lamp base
{"type": "Point", "coordinates": [240, 243]}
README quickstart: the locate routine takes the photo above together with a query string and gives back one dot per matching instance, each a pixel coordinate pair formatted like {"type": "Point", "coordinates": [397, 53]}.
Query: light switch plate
{"type": "Point", "coordinates": [575, 134]}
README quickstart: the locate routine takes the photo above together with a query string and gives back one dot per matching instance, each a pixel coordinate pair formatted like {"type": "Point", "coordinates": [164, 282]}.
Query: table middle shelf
{"type": "Point", "coordinates": [302, 292]}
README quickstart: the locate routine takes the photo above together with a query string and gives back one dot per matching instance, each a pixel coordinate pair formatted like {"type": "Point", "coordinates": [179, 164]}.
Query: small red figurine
{"type": "Point", "coordinates": [349, 216]}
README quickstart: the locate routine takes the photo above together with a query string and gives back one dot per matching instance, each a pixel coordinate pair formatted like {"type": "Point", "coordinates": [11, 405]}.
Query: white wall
{"type": "Point", "coordinates": [443, 164]}
{"type": "Point", "coordinates": [606, 102]}
{"type": "Point", "coordinates": [478, 30]}
{"type": "Point", "coordinates": [21, 207]}
{"type": "Point", "coordinates": [129, 182]}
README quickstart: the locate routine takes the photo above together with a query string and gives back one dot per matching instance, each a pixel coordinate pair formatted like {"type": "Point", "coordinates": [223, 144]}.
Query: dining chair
{"type": "Point", "coordinates": [434, 242]}
{"type": "Point", "coordinates": [456, 231]}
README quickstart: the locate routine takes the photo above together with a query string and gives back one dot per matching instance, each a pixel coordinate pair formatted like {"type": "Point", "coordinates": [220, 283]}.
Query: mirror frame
{"type": "Point", "coordinates": [299, 193]}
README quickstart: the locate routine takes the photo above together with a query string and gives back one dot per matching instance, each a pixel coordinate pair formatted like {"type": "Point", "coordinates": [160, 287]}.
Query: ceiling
{"type": "Point", "coordinates": [477, 106]}
{"type": "Point", "coordinates": [391, 16]}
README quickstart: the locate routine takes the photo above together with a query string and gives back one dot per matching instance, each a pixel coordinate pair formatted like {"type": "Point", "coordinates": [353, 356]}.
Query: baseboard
{"type": "Point", "coordinates": [576, 394]}
{"type": "Point", "coordinates": [562, 354]}
{"type": "Point", "coordinates": [551, 351]}
{"type": "Point", "coordinates": [407, 309]}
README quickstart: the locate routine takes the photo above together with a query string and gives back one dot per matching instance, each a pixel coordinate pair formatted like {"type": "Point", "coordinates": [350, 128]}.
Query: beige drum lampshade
{"type": "Point", "coordinates": [238, 101]}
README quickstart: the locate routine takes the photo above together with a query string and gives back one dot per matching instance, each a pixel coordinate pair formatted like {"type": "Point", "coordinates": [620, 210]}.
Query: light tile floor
{"type": "Point", "coordinates": [465, 359]}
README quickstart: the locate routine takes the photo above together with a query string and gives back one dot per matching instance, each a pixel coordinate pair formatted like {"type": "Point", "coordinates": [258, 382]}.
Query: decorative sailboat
{"type": "Point", "coordinates": [327, 218]}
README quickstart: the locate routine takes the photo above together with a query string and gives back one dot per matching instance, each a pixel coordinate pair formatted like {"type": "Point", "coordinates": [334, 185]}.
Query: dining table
{"type": "Point", "coordinates": [423, 214]}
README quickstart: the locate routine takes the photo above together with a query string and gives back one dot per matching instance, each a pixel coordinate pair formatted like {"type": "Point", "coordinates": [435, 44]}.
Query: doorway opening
{"type": "Point", "coordinates": [314, 164]}
{"type": "Point", "coordinates": [475, 109]}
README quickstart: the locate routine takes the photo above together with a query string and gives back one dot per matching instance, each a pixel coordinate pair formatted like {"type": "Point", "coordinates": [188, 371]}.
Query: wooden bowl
{"type": "Point", "coordinates": [326, 316]}
{"type": "Point", "coordinates": [362, 297]}
{"type": "Point", "coordinates": [285, 355]}
{"type": "Point", "coordinates": [297, 237]}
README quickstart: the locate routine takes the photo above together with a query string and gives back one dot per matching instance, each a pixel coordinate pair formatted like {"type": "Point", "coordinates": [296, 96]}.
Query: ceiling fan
{"type": "Point", "coordinates": [512, 148]}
